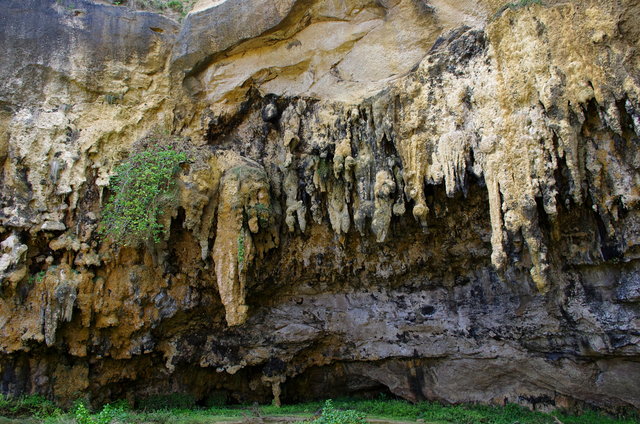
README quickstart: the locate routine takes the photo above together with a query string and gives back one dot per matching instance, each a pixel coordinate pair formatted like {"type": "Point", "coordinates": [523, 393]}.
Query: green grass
{"type": "Point", "coordinates": [37, 409]}
{"type": "Point", "coordinates": [432, 412]}
{"type": "Point", "coordinates": [35, 406]}
{"type": "Point", "coordinates": [179, 401]}
{"type": "Point", "coordinates": [428, 411]}
{"type": "Point", "coordinates": [592, 417]}
{"type": "Point", "coordinates": [308, 409]}
{"type": "Point", "coordinates": [484, 414]}
{"type": "Point", "coordinates": [386, 408]}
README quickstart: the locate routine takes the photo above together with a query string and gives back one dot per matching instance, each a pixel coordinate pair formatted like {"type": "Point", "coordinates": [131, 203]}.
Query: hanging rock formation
{"type": "Point", "coordinates": [433, 199]}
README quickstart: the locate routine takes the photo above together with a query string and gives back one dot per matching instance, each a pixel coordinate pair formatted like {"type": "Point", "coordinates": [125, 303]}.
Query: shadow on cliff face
{"type": "Point", "coordinates": [420, 315]}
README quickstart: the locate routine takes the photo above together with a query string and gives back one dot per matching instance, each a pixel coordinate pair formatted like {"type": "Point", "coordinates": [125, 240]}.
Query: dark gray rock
{"type": "Point", "coordinates": [44, 40]}
{"type": "Point", "coordinates": [629, 288]}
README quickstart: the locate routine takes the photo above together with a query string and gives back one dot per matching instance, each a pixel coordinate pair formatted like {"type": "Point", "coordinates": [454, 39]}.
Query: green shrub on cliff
{"type": "Point", "coordinates": [143, 187]}
{"type": "Point", "coordinates": [181, 7]}
{"type": "Point", "coordinates": [517, 5]}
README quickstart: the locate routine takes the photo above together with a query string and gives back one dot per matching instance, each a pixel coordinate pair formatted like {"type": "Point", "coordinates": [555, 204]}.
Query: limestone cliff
{"type": "Point", "coordinates": [435, 199]}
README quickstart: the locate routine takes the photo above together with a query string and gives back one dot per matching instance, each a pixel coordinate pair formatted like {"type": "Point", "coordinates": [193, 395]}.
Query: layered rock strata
{"type": "Point", "coordinates": [436, 200]}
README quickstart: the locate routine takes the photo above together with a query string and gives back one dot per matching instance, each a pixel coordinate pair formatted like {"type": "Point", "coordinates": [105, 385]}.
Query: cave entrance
{"type": "Point", "coordinates": [333, 382]}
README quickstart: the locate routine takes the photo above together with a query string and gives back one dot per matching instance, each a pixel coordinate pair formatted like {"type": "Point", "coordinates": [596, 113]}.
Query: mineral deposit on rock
{"type": "Point", "coordinates": [433, 199]}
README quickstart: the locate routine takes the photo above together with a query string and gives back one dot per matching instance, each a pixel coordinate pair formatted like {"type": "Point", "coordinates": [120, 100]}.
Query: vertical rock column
{"type": "Point", "coordinates": [244, 208]}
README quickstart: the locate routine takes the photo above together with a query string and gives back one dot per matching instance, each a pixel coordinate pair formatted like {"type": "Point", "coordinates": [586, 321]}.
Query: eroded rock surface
{"type": "Point", "coordinates": [437, 200]}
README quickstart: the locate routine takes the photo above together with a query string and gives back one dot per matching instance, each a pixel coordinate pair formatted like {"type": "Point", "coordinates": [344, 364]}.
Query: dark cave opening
{"type": "Point", "coordinates": [332, 382]}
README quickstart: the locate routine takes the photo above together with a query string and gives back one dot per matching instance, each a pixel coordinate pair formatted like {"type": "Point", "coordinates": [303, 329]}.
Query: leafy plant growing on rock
{"type": "Point", "coordinates": [241, 247]}
{"type": "Point", "coordinates": [178, 6]}
{"type": "Point", "coordinates": [108, 414]}
{"type": "Point", "coordinates": [516, 5]}
{"type": "Point", "coordinates": [323, 168]}
{"type": "Point", "coordinates": [36, 278]}
{"type": "Point", "coordinates": [143, 187]}
{"type": "Point", "coordinates": [262, 212]}
{"type": "Point", "coordinates": [331, 415]}
{"type": "Point", "coordinates": [36, 406]}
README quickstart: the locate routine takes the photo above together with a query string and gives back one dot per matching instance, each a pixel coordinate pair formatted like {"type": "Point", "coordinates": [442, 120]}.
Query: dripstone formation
{"type": "Point", "coordinates": [430, 199]}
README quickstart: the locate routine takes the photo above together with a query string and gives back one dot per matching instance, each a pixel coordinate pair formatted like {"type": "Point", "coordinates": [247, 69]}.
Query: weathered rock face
{"type": "Point", "coordinates": [437, 200]}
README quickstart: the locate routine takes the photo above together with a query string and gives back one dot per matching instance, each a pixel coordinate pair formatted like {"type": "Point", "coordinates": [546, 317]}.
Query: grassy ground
{"type": "Point", "coordinates": [35, 409]}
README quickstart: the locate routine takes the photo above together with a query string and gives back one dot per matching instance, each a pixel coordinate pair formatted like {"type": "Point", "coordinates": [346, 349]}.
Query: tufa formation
{"type": "Point", "coordinates": [432, 199]}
